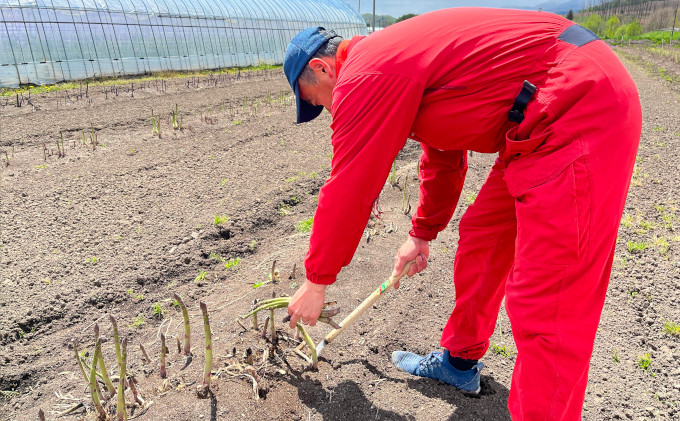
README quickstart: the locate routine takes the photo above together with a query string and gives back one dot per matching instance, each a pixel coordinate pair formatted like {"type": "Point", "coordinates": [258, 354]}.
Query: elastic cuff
{"type": "Point", "coordinates": [321, 279]}
{"type": "Point", "coordinates": [423, 234]}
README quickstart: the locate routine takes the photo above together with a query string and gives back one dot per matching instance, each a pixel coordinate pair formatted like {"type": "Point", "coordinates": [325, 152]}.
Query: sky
{"type": "Point", "coordinates": [397, 8]}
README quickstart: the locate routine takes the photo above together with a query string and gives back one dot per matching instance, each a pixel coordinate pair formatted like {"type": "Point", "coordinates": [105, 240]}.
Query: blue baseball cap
{"type": "Point", "coordinates": [300, 50]}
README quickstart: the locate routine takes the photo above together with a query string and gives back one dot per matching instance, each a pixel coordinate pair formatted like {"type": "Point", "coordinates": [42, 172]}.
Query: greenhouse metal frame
{"type": "Point", "coordinates": [47, 41]}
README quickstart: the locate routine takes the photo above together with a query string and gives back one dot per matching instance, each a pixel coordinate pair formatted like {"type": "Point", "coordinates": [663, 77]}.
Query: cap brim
{"type": "Point", "coordinates": [305, 111]}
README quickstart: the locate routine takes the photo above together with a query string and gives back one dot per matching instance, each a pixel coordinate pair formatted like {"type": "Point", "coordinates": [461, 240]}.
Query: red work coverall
{"type": "Point", "coordinates": [542, 230]}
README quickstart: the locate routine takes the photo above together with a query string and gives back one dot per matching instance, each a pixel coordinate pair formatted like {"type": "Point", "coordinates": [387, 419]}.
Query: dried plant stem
{"type": "Point", "coordinates": [144, 354]}
{"type": "Point", "coordinates": [133, 387]}
{"type": "Point", "coordinates": [187, 328]}
{"type": "Point", "coordinates": [121, 412]}
{"type": "Point", "coordinates": [310, 344]}
{"type": "Point", "coordinates": [94, 387]}
{"type": "Point", "coordinates": [163, 351]}
{"type": "Point", "coordinates": [255, 325]}
{"type": "Point", "coordinates": [179, 345]}
{"type": "Point", "coordinates": [41, 415]}
{"type": "Point", "coordinates": [208, 346]}
{"type": "Point", "coordinates": [272, 324]}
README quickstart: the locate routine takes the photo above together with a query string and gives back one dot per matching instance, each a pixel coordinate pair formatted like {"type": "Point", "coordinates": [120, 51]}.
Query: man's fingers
{"type": "Point", "coordinates": [293, 320]}
{"type": "Point", "coordinates": [396, 285]}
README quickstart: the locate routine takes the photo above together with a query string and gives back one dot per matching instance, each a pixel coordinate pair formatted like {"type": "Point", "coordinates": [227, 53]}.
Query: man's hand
{"type": "Point", "coordinates": [306, 304]}
{"type": "Point", "coordinates": [413, 249]}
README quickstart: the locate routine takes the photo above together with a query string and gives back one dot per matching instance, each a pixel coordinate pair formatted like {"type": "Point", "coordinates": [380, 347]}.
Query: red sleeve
{"type": "Point", "coordinates": [372, 117]}
{"type": "Point", "coordinates": [442, 174]}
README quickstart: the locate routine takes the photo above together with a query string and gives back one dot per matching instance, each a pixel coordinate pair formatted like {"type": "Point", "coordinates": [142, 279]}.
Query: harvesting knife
{"type": "Point", "coordinates": [361, 308]}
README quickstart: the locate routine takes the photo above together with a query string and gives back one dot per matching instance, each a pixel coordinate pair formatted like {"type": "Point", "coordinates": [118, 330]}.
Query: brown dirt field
{"type": "Point", "coordinates": [120, 228]}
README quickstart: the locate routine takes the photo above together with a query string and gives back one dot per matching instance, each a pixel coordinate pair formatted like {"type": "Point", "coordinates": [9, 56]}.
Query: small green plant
{"type": "Point", "coordinates": [132, 294]}
{"type": "Point", "coordinates": [470, 198]}
{"type": "Point", "coordinates": [92, 260]}
{"type": "Point", "coordinates": [232, 263]}
{"type": "Point", "coordinates": [219, 220]}
{"type": "Point", "coordinates": [252, 245]}
{"type": "Point", "coordinates": [217, 257]}
{"type": "Point", "coordinates": [237, 122]}
{"type": "Point", "coordinates": [138, 321]}
{"type": "Point", "coordinates": [672, 328]}
{"type": "Point", "coordinates": [157, 310]}
{"type": "Point", "coordinates": [304, 226]}
{"type": "Point", "coordinates": [501, 350]}
{"type": "Point", "coordinates": [662, 244]}
{"type": "Point", "coordinates": [615, 357]}
{"type": "Point", "coordinates": [201, 276]}
{"type": "Point", "coordinates": [644, 361]}
{"type": "Point", "coordinates": [646, 225]}
{"type": "Point", "coordinates": [634, 247]}
{"type": "Point", "coordinates": [223, 182]}
{"type": "Point", "coordinates": [291, 179]}
{"type": "Point", "coordinates": [284, 209]}
{"type": "Point", "coordinates": [627, 221]}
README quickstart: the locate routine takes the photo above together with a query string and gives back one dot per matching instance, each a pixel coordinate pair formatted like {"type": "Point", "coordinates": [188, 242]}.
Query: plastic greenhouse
{"type": "Point", "coordinates": [46, 41]}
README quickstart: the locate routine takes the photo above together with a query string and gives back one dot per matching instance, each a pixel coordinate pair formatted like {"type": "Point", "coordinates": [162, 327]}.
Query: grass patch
{"type": "Point", "coordinates": [125, 80]}
{"type": "Point", "coordinates": [672, 328]}
{"type": "Point", "coordinates": [644, 361]}
{"type": "Point", "coordinates": [304, 226]}
{"type": "Point", "coordinates": [634, 247]}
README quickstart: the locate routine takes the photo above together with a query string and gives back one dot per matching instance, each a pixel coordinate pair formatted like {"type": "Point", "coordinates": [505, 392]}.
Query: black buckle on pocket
{"type": "Point", "coordinates": [516, 114]}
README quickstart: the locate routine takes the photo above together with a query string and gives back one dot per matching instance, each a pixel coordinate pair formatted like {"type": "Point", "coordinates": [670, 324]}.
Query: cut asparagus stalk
{"type": "Point", "coordinates": [102, 366]}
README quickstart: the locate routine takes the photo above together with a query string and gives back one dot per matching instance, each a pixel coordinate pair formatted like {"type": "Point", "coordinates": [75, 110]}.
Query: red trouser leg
{"type": "Point", "coordinates": [568, 174]}
{"type": "Point", "coordinates": [483, 259]}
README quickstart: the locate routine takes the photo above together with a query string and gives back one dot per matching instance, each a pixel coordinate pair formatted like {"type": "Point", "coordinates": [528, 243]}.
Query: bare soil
{"type": "Point", "coordinates": [119, 227]}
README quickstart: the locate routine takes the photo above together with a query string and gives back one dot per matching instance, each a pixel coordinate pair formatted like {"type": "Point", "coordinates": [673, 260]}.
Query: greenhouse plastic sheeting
{"type": "Point", "coordinates": [47, 41]}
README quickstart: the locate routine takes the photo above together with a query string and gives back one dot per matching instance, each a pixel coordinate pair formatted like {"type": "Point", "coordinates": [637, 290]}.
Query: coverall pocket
{"type": "Point", "coordinates": [552, 206]}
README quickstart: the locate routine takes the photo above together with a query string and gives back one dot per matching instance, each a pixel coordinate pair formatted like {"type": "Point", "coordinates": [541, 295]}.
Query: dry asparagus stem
{"type": "Point", "coordinates": [80, 363]}
{"type": "Point", "coordinates": [41, 415]}
{"type": "Point", "coordinates": [292, 274]}
{"type": "Point", "coordinates": [255, 317]}
{"type": "Point", "coordinates": [145, 355]}
{"type": "Point", "coordinates": [102, 366]}
{"type": "Point", "coordinates": [271, 319]}
{"type": "Point", "coordinates": [179, 345]}
{"type": "Point", "coordinates": [121, 412]}
{"type": "Point", "coordinates": [187, 329]}
{"type": "Point", "coordinates": [310, 344]}
{"type": "Point", "coordinates": [264, 328]}
{"type": "Point", "coordinates": [132, 382]}
{"type": "Point", "coordinates": [163, 351]}
{"type": "Point", "coordinates": [94, 387]}
{"type": "Point", "coordinates": [208, 346]}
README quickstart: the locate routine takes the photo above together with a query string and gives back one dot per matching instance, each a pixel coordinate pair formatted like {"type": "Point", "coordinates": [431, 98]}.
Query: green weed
{"type": "Point", "coordinates": [634, 247]}
{"type": "Point", "coordinates": [252, 245]}
{"type": "Point", "coordinates": [644, 361]}
{"type": "Point", "coordinates": [615, 357]}
{"type": "Point", "coordinates": [131, 293]}
{"type": "Point", "coordinates": [93, 260]}
{"type": "Point", "coordinates": [304, 226]}
{"type": "Point", "coordinates": [470, 198]}
{"type": "Point", "coordinates": [157, 310]}
{"type": "Point", "coordinates": [219, 220]}
{"type": "Point", "coordinates": [627, 221]}
{"type": "Point", "coordinates": [138, 321]}
{"type": "Point", "coordinates": [232, 263]}
{"type": "Point", "coordinates": [284, 209]}
{"type": "Point", "coordinates": [672, 328]}
{"type": "Point", "coordinates": [661, 244]}
{"type": "Point", "coordinates": [237, 122]}
{"type": "Point", "coordinates": [501, 350]}
{"type": "Point", "coordinates": [201, 276]}
{"type": "Point", "coordinates": [217, 257]}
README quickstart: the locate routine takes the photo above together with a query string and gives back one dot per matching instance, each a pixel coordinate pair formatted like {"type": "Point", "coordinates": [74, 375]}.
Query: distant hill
{"type": "Point", "coordinates": [560, 7]}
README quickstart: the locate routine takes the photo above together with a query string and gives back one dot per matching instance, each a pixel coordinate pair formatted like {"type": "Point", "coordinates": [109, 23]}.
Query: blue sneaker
{"type": "Point", "coordinates": [436, 365]}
